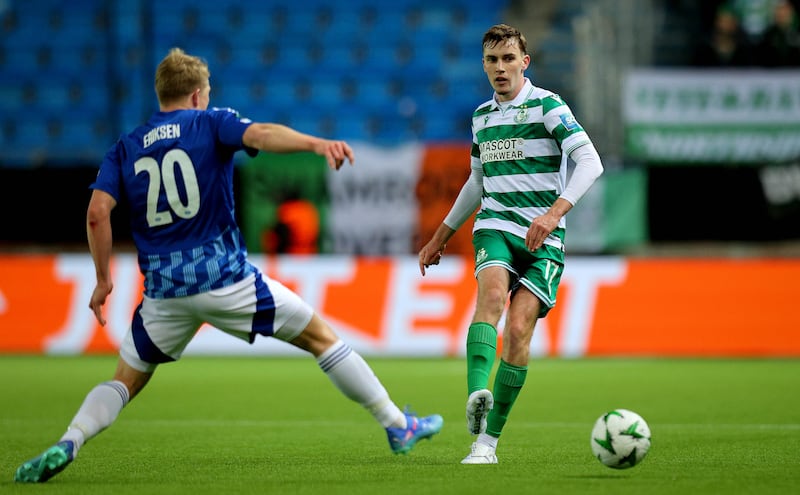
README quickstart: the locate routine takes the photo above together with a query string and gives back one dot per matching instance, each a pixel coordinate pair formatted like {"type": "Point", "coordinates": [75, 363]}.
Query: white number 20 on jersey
{"type": "Point", "coordinates": [165, 175]}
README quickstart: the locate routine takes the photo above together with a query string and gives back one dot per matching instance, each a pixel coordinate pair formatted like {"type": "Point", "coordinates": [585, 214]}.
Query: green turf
{"type": "Point", "coordinates": [267, 425]}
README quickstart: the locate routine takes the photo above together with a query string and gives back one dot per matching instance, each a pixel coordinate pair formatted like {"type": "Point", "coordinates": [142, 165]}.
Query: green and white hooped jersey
{"type": "Point", "coordinates": [522, 147]}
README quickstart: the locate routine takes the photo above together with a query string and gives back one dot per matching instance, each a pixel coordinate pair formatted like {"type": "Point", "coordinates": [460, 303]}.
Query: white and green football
{"type": "Point", "coordinates": [620, 439]}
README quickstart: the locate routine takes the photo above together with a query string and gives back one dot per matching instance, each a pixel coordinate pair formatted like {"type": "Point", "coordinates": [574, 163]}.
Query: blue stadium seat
{"type": "Point", "coordinates": [303, 122]}
{"type": "Point", "coordinates": [375, 95]}
{"type": "Point", "coordinates": [355, 68]}
{"type": "Point", "coordinates": [391, 130]}
{"type": "Point", "coordinates": [445, 127]}
{"type": "Point", "coordinates": [280, 93]}
{"type": "Point", "coordinates": [326, 93]}
{"type": "Point", "coordinates": [340, 59]}
{"type": "Point", "coordinates": [31, 134]}
{"type": "Point", "coordinates": [301, 24]}
{"type": "Point", "coordinates": [386, 60]}
{"type": "Point", "coordinates": [12, 98]}
{"type": "Point", "coordinates": [351, 127]}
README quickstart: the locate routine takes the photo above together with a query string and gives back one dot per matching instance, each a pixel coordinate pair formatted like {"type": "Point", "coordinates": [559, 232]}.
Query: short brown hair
{"type": "Point", "coordinates": [179, 74]}
{"type": "Point", "coordinates": [503, 32]}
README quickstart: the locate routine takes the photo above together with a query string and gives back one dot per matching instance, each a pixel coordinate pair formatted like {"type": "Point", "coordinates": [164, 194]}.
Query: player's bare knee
{"type": "Point", "coordinates": [317, 337]}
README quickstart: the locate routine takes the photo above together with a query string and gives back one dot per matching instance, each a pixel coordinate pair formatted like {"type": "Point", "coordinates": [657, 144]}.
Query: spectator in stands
{"type": "Point", "coordinates": [726, 45]}
{"type": "Point", "coordinates": [781, 43]}
{"type": "Point", "coordinates": [754, 16]}
{"type": "Point", "coordinates": [522, 138]}
{"type": "Point", "coordinates": [176, 172]}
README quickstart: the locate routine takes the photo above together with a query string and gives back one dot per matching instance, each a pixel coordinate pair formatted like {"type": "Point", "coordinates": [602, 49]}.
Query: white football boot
{"type": "Point", "coordinates": [479, 403]}
{"type": "Point", "coordinates": [480, 454]}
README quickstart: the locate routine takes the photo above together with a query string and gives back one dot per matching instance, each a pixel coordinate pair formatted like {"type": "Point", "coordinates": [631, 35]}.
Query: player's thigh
{"type": "Point", "coordinates": [542, 278]}
{"type": "Point", "coordinates": [492, 248]}
{"type": "Point", "coordinates": [160, 331]}
{"type": "Point", "coordinates": [257, 305]}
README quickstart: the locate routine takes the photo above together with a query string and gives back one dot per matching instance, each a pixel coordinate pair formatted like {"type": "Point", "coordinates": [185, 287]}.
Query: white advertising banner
{"type": "Point", "coordinates": [373, 206]}
{"type": "Point", "coordinates": [712, 115]}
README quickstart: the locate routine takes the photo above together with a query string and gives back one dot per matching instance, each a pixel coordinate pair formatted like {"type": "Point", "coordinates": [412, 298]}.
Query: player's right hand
{"type": "Point", "coordinates": [428, 256]}
{"type": "Point", "coordinates": [99, 295]}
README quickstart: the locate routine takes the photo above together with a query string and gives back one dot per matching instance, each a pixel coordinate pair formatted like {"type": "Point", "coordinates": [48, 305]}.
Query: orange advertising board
{"type": "Point", "coordinates": [445, 168]}
{"type": "Point", "coordinates": [731, 307]}
{"type": "Point", "coordinates": [607, 306]}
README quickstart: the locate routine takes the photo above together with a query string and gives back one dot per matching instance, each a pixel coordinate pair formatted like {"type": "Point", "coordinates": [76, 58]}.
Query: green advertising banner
{"type": "Point", "coordinates": [611, 216]}
{"type": "Point", "coordinates": [270, 181]}
{"type": "Point", "coordinates": [710, 116]}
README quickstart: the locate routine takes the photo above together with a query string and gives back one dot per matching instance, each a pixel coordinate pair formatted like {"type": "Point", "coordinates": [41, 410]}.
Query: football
{"type": "Point", "coordinates": [620, 439]}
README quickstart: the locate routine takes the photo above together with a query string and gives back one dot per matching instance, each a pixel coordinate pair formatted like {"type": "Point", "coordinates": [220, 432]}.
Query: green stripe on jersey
{"type": "Point", "coordinates": [551, 102]}
{"type": "Point", "coordinates": [534, 165]}
{"type": "Point", "coordinates": [522, 146]}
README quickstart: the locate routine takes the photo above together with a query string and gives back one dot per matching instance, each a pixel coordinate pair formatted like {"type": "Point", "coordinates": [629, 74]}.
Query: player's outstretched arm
{"type": "Point", "coordinates": [279, 138]}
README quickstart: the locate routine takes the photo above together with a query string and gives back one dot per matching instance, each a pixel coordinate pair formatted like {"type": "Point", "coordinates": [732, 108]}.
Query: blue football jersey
{"type": "Point", "coordinates": [176, 173]}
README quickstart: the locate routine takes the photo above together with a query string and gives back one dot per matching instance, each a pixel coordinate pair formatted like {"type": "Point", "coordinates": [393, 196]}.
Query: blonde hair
{"type": "Point", "coordinates": [179, 74]}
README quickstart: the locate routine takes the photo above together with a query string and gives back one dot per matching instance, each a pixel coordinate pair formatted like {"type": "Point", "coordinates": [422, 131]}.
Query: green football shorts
{"type": "Point", "coordinates": [537, 271]}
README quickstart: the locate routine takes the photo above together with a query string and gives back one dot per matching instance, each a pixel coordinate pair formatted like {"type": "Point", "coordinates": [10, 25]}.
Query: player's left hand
{"type": "Point", "coordinates": [336, 152]}
{"type": "Point", "coordinates": [540, 228]}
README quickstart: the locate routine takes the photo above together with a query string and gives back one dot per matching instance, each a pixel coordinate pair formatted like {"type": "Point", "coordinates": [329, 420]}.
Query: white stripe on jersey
{"type": "Point", "coordinates": [574, 142]}
{"type": "Point", "coordinates": [528, 212]}
{"type": "Point", "coordinates": [541, 147]}
{"type": "Point", "coordinates": [522, 182]}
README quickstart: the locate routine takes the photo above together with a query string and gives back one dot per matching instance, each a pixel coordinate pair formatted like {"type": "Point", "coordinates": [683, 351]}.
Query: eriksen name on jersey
{"type": "Point", "coordinates": [166, 131]}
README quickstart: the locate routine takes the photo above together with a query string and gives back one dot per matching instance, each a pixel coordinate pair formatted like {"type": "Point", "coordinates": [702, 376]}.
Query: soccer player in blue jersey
{"type": "Point", "coordinates": [522, 138]}
{"type": "Point", "coordinates": [176, 174]}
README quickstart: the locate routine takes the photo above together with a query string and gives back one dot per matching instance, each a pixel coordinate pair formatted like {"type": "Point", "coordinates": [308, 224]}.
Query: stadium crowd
{"type": "Point", "coordinates": [751, 33]}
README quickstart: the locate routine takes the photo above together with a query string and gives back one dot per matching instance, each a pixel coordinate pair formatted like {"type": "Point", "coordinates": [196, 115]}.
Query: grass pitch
{"type": "Point", "coordinates": [276, 425]}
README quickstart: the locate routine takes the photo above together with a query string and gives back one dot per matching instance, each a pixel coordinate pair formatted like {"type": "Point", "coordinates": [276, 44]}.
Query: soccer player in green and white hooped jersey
{"type": "Point", "coordinates": [522, 138]}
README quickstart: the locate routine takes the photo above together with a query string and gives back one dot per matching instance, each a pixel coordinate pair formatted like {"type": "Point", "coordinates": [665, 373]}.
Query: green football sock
{"type": "Point", "coordinates": [481, 350]}
{"type": "Point", "coordinates": [507, 386]}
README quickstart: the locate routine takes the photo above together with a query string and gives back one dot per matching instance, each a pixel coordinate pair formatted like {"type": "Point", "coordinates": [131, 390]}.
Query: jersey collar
{"type": "Point", "coordinates": [523, 96]}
